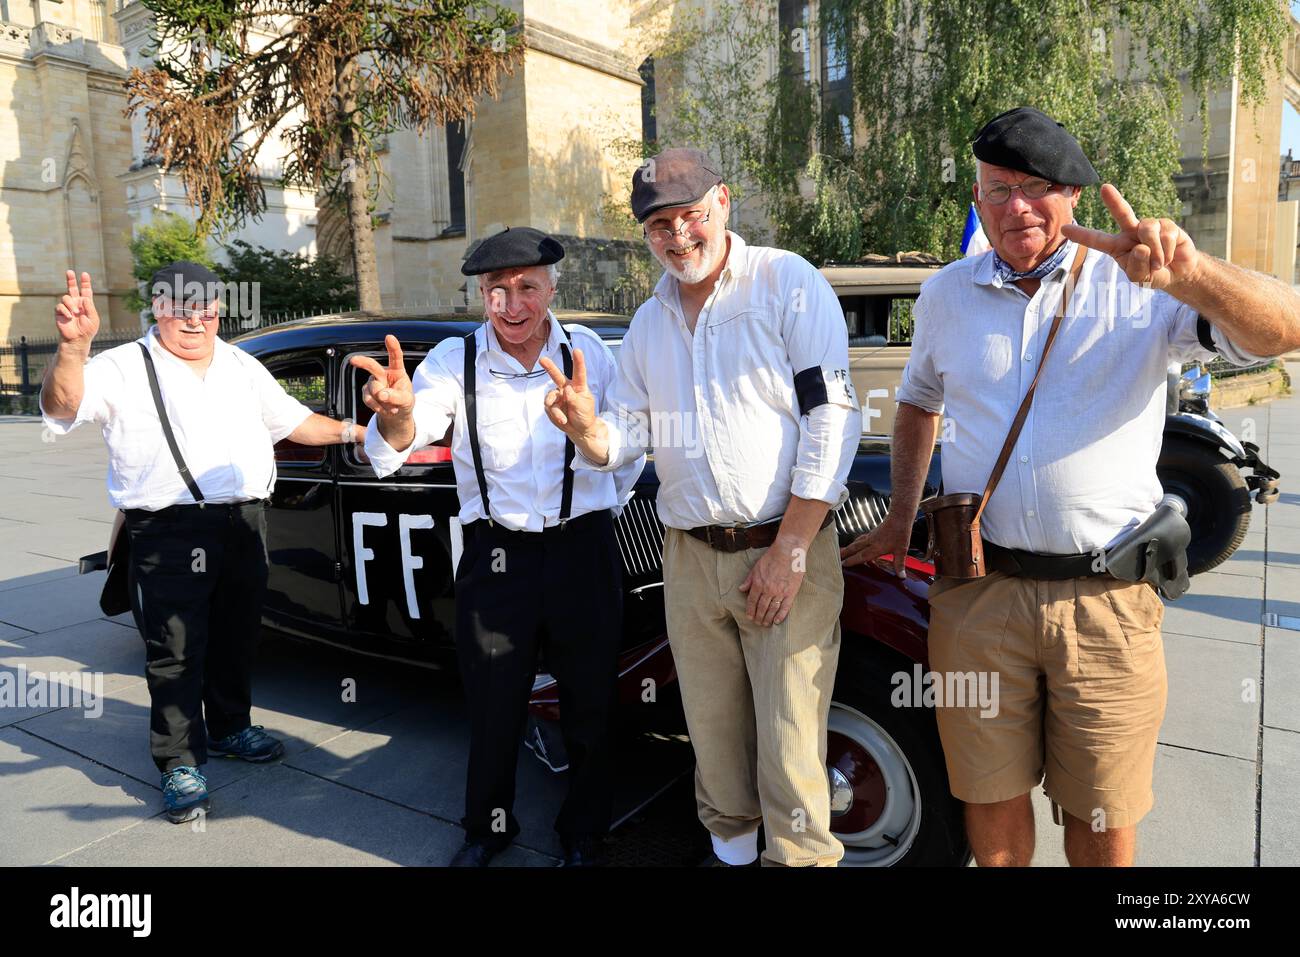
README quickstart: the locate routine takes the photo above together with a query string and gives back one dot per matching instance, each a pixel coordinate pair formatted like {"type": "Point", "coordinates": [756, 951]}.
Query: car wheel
{"type": "Point", "coordinates": [890, 803]}
{"type": "Point", "coordinates": [1217, 499]}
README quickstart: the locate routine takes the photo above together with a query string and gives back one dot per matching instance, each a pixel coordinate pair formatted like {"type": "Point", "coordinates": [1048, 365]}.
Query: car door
{"type": "Point", "coordinates": [303, 585]}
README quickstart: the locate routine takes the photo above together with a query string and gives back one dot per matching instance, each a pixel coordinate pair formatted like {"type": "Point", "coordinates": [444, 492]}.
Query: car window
{"type": "Point", "coordinates": [422, 459]}
{"type": "Point", "coordinates": [877, 320]}
{"type": "Point", "coordinates": [304, 379]}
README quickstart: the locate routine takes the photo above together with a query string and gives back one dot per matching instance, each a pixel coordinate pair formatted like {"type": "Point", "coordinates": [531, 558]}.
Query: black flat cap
{"type": "Point", "coordinates": [1030, 141]}
{"type": "Point", "coordinates": [676, 177]}
{"type": "Point", "coordinates": [185, 282]}
{"type": "Point", "coordinates": [513, 247]}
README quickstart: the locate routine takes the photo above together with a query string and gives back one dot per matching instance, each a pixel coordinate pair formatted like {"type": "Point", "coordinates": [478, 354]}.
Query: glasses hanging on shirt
{"type": "Point", "coordinates": [516, 375]}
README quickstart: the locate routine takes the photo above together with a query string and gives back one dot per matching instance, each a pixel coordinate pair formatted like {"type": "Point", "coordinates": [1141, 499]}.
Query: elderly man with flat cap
{"type": "Point", "coordinates": [736, 373]}
{"type": "Point", "coordinates": [190, 423]}
{"type": "Point", "coordinates": [538, 536]}
{"type": "Point", "coordinates": [1076, 650]}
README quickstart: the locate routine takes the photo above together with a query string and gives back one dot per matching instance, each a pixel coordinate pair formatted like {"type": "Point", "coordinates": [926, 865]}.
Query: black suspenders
{"type": "Point", "coordinates": [471, 425]}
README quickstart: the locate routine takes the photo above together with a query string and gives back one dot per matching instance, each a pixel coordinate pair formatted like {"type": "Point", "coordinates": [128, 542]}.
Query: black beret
{"type": "Point", "coordinates": [512, 248]}
{"type": "Point", "coordinates": [1030, 141]}
{"type": "Point", "coordinates": [676, 177]}
{"type": "Point", "coordinates": [185, 282]}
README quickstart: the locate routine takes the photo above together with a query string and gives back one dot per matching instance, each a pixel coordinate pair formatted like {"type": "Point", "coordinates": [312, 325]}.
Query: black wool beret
{"type": "Point", "coordinates": [676, 177]}
{"type": "Point", "coordinates": [185, 282]}
{"type": "Point", "coordinates": [1030, 141]}
{"type": "Point", "coordinates": [513, 247]}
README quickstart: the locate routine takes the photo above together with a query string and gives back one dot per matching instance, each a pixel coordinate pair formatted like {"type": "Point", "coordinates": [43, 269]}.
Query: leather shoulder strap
{"type": "Point", "coordinates": [184, 469]}
{"type": "Point", "coordinates": [1023, 412]}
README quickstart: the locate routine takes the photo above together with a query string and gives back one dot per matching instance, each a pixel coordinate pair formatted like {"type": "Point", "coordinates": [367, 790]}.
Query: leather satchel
{"type": "Point", "coordinates": [953, 521]}
{"type": "Point", "coordinates": [115, 598]}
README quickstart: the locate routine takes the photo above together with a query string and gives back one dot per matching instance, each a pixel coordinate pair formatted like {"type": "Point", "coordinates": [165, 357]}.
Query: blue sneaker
{"type": "Point", "coordinates": [251, 744]}
{"type": "Point", "coordinates": [185, 793]}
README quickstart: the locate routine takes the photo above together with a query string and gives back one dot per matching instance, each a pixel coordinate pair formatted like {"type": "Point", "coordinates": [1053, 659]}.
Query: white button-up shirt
{"type": "Point", "coordinates": [226, 424]}
{"type": "Point", "coordinates": [753, 407]}
{"type": "Point", "coordinates": [523, 453]}
{"type": "Point", "coordinates": [1084, 467]}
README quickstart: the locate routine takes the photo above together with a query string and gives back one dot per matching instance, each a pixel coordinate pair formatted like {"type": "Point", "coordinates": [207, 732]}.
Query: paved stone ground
{"type": "Point", "coordinates": [380, 780]}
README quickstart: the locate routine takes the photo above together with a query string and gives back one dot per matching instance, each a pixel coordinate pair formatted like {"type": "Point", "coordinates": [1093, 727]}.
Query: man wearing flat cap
{"type": "Point", "coordinates": [1077, 652]}
{"type": "Point", "coordinates": [537, 535]}
{"type": "Point", "coordinates": [736, 373]}
{"type": "Point", "coordinates": [190, 423]}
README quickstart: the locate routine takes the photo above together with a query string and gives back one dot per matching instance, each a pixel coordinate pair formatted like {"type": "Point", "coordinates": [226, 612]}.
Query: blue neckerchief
{"type": "Point", "coordinates": [1003, 273]}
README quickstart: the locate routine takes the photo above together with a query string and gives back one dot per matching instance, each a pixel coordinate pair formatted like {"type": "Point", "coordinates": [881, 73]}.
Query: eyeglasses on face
{"type": "Point", "coordinates": [696, 217]}
{"type": "Point", "coordinates": [997, 193]}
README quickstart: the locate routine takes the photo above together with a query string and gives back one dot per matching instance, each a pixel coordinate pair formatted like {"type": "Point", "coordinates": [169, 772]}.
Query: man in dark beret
{"type": "Point", "coordinates": [538, 536]}
{"type": "Point", "coordinates": [1077, 652]}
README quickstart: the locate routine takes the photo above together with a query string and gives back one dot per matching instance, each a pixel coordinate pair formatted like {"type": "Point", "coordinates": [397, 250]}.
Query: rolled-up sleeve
{"type": "Point", "coordinates": [101, 378]}
{"type": "Point", "coordinates": [830, 422]}
{"type": "Point", "coordinates": [1192, 337]}
{"type": "Point", "coordinates": [625, 409]}
{"type": "Point", "coordinates": [921, 385]}
{"type": "Point", "coordinates": [281, 412]}
{"type": "Point", "coordinates": [437, 390]}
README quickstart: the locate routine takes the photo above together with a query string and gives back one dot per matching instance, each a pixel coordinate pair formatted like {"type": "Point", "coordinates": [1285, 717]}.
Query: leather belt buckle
{"type": "Point", "coordinates": [724, 538]}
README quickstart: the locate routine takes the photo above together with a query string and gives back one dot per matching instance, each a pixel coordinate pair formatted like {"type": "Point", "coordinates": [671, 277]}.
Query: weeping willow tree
{"type": "Point", "coordinates": [926, 74]}
{"type": "Point", "coordinates": [920, 77]}
{"type": "Point", "coordinates": [322, 80]}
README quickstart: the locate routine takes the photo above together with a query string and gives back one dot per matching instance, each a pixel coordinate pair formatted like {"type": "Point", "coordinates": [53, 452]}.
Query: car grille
{"type": "Point", "coordinates": [641, 537]}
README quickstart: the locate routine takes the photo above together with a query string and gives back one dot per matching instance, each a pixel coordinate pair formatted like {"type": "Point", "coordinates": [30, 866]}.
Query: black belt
{"type": "Point", "coordinates": [498, 532]}
{"type": "Point", "coordinates": [1022, 564]}
{"type": "Point", "coordinates": [737, 538]}
{"type": "Point", "coordinates": [194, 508]}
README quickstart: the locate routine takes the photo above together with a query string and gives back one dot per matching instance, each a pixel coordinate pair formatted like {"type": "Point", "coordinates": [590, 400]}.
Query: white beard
{"type": "Point", "coordinates": [710, 252]}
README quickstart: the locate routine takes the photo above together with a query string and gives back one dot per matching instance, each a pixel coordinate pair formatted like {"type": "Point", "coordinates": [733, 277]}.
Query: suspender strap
{"type": "Point", "coordinates": [471, 422]}
{"type": "Point", "coordinates": [1023, 412]}
{"type": "Point", "coordinates": [566, 493]}
{"type": "Point", "coordinates": [184, 469]}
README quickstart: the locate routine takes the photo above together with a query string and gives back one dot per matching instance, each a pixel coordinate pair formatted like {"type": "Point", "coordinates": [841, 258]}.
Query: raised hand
{"type": "Point", "coordinates": [571, 406]}
{"type": "Point", "coordinates": [75, 314]}
{"type": "Point", "coordinates": [1152, 251]}
{"type": "Point", "coordinates": [389, 393]}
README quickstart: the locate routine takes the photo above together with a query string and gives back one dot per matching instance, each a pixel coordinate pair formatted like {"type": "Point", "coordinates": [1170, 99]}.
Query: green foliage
{"type": "Point", "coordinates": [166, 239]}
{"type": "Point", "coordinates": [926, 74]}
{"type": "Point", "coordinates": [289, 281]}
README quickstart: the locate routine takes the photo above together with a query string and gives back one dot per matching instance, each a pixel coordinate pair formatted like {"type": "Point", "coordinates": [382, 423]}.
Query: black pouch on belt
{"type": "Point", "coordinates": [1155, 551]}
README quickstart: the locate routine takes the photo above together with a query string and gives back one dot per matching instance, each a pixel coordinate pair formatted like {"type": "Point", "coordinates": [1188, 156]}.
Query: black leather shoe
{"type": "Point", "coordinates": [475, 854]}
{"type": "Point", "coordinates": [585, 852]}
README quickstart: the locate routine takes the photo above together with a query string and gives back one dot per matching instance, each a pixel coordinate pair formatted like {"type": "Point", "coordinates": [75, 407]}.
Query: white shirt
{"type": "Point", "coordinates": [721, 408]}
{"type": "Point", "coordinates": [226, 424]}
{"type": "Point", "coordinates": [1084, 467]}
{"type": "Point", "coordinates": [523, 453]}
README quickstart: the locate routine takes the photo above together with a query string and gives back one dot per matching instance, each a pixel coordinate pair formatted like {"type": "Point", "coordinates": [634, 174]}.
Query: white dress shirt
{"type": "Point", "coordinates": [1084, 467]}
{"type": "Point", "coordinates": [226, 424]}
{"type": "Point", "coordinates": [523, 453]}
{"type": "Point", "coordinates": [722, 407]}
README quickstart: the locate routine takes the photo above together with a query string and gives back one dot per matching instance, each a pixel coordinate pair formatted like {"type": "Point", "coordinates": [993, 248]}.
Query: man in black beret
{"type": "Point", "coordinates": [193, 511]}
{"type": "Point", "coordinates": [1076, 651]}
{"type": "Point", "coordinates": [538, 536]}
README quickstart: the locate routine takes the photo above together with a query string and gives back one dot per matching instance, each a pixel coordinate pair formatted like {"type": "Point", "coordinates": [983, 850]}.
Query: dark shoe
{"type": "Point", "coordinates": [585, 852]}
{"type": "Point", "coordinates": [476, 854]}
{"type": "Point", "coordinates": [185, 794]}
{"type": "Point", "coordinates": [251, 744]}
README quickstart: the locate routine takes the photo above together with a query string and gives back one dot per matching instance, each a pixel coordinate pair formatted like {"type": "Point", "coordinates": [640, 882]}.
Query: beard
{"type": "Point", "coordinates": [707, 259]}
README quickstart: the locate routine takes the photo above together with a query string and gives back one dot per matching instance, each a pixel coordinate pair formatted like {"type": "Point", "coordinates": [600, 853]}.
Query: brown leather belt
{"type": "Point", "coordinates": [737, 538]}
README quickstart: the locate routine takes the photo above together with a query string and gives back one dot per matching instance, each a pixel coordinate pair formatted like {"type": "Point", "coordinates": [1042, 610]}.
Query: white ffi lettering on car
{"type": "Point", "coordinates": [411, 562]}
{"type": "Point", "coordinates": [457, 535]}
{"type": "Point", "coordinates": [360, 553]}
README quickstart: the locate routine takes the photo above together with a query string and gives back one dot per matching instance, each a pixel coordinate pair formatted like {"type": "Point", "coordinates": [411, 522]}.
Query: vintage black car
{"type": "Point", "coordinates": [366, 564]}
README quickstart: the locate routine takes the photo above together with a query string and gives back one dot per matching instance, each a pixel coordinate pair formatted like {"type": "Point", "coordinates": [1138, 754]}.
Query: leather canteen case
{"type": "Point", "coordinates": [955, 545]}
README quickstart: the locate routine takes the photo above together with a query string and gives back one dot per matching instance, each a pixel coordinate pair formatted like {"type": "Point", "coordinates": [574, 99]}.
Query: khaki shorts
{"type": "Point", "coordinates": [1079, 697]}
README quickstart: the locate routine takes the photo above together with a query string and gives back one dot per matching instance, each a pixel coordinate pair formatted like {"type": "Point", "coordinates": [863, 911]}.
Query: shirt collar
{"type": "Point", "coordinates": [154, 340]}
{"type": "Point", "coordinates": [986, 269]}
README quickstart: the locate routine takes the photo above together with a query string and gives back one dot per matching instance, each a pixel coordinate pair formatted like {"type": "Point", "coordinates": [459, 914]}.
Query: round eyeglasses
{"type": "Point", "coordinates": [1033, 188]}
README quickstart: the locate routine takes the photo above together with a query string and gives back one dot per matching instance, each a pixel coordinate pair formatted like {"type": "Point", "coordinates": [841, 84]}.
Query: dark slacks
{"type": "Point", "coordinates": [518, 593]}
{"type": "Point", "coordinates": [197, 579]}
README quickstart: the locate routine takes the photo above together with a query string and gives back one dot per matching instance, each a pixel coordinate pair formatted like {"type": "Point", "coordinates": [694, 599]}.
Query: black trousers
{"type": "Point", "coordinates": [197, 579]}
{"type": "Point", "coordinates": [559, 591]}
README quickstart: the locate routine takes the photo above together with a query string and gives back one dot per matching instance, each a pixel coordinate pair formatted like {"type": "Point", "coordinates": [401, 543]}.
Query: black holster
{"type": "Point", "coordinates": [1156, 552]}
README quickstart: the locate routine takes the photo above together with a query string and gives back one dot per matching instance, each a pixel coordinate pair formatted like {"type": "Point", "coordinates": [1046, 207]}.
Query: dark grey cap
{"type": "Point", "coordinates": [185, 283]}
{"type": "Point", "coordinates": [513, 247]}
{"type": "Point", "coordinates": [676, 177]}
